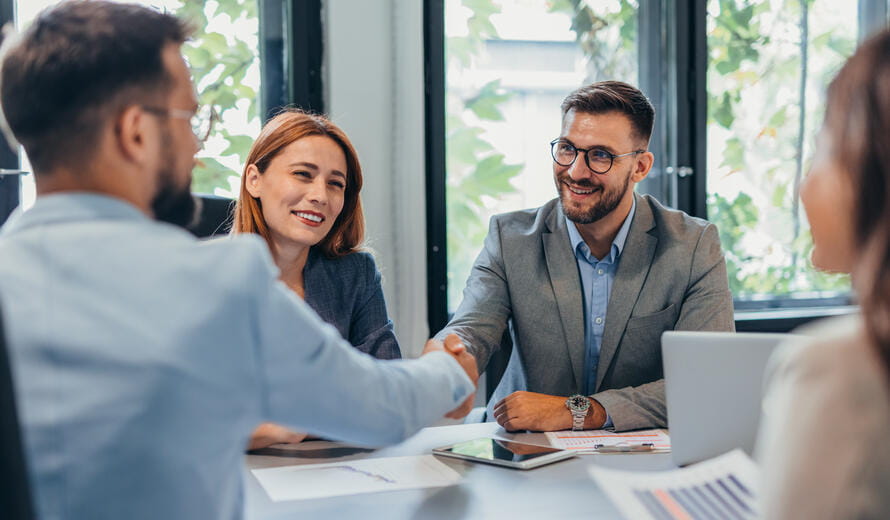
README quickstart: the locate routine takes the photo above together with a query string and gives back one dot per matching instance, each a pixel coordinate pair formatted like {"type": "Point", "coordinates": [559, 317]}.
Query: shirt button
{"type": "Point", "coordinates": [598, 320]}
{"type": "Point", "coordinates": [599, 271]}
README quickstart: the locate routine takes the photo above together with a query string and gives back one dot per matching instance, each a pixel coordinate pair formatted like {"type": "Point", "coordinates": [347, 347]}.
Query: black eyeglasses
{"type": "Point", "coordinates": [201, 120]}
{"type": "Point", "coordinates": [598, 160]}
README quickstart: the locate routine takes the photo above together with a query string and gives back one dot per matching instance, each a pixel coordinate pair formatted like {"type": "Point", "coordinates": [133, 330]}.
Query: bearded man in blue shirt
{"type": "Point", "coordinates": [142, 358]}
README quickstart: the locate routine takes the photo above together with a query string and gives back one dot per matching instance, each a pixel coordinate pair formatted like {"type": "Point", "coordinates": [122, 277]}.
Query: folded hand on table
{"type": "Point", "coordinates": [542, 413]}
{"type": "Point", "coordinates": [268, 434]}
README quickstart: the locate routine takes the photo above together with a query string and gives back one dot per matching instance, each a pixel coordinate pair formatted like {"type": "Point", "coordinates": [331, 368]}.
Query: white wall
{"type": "Point", "coordinates": [374, 91]}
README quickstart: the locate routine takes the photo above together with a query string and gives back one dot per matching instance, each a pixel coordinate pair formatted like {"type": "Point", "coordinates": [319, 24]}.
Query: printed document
{"type": "Point", "coordinates": [355, 476]}
{"type": "Point", "coordinates": [722, 487]}
{"type": "Point", "coordinates": [581, 441]}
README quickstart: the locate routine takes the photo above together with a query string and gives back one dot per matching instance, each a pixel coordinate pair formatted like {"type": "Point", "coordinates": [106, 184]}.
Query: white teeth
{"type": "Point", "coordinates": [308, 216]}
{"type": "Point", "coordinates": [580, 192]}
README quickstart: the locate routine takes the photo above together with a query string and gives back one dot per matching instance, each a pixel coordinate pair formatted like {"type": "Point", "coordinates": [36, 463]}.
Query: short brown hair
{"type": "Point", "coordinates": [614, 96]}
{"type": "Point", "coordinates": [75, 65]}
{"type": "Point", "coordinates": [288, 126]}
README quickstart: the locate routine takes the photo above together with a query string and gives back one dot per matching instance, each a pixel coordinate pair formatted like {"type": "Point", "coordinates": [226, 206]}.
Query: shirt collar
{"type": "Point", "coordinates": [71, 207]}
{"type": "Point", "coordinates": [617, 243]}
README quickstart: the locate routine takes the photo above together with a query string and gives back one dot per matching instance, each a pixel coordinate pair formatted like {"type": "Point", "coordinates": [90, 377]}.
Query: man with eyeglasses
{"type": "Point", "coordinates": [584, 286]}
{"type": "Point", "coordinates": [143, 358]}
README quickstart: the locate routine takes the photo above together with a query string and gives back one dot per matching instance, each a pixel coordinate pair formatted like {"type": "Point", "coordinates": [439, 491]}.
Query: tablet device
{"type": "Point", "coordinates": [511, 454]}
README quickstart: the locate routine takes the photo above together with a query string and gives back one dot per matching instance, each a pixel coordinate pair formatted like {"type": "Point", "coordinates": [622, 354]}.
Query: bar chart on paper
{"type": "Point", "coordinates": [723, 487]}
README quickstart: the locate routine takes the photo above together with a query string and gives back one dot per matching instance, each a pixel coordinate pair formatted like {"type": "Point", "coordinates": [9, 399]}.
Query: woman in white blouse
{"type": "Point", "coordinates": [823, 441]}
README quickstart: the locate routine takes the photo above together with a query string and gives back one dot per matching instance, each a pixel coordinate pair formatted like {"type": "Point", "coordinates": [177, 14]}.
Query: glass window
{"type": "Point", "coordinates": [509, 64]}
{"type": "Point", "coordinates": [769, 64]}
{"type": "Point", "coordinates": [223, 56]}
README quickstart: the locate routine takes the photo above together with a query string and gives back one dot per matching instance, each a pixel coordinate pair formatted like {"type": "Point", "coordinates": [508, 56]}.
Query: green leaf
{"type": "Point", "coordinates": [723, 112]}
{"type": "Point", "coordinates": [238, 145]}
{"type": "Point", "coordinates": [485, 103]}
{"type": "Point", "coordinates": [734, 154]}
{"type": "Point", "coordinates": [778, 119]}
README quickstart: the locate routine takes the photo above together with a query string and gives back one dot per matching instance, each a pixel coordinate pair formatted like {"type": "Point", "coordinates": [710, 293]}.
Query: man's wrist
{"type": "Point", "coordinates": [596, 416]}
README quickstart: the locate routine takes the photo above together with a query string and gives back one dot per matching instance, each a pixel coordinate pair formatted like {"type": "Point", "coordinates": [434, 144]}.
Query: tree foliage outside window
{"type": "Point", "coordinates": [766, 60]}
{"type": "Point", "coordinates": [482, 177]}
{"type": "Point", "coordinates": [769, 65]}
{"type": "Point", "coordinates": [223, 56]}
{"type": "Point", "coordinates": [224, 59]}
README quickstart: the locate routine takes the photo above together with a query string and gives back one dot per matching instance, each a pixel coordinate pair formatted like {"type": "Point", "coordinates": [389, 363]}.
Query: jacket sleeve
{"type": "Point", "coordinates": [481, 318]}
{"type": "Point", "coordinates": [320, 383]}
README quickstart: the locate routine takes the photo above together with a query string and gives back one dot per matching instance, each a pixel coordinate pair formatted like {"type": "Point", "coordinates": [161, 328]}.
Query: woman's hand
{"type": "Point", "coordinates": [268, 434]}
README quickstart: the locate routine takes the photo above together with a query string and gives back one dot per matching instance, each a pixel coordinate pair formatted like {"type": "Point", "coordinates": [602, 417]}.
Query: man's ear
{"type": "Point", "coordinates": [252, 181]}
{"type": "Point", "coordinates": [644, 164]}
{"type": "Point", "coordinates": [130, 129]}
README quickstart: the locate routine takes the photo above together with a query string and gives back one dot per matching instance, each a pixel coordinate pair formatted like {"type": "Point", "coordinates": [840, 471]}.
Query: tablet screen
{"type": "Point", "coordinates": [499, 450]}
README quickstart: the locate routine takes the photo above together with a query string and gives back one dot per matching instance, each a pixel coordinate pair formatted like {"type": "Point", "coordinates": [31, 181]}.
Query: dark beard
{"type": "Point", "coordinates": [173, 204]}
{"type": "Point", "coordinates": [607, 203]}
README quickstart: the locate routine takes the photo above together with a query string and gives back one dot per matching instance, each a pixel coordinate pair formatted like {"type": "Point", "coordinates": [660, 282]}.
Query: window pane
{"type": "Point", "coordinates": [769, 65]}
{"type": "Point", "coordinates": [509, 65]}
{"type": "Point", "coordinates": [224, 59]}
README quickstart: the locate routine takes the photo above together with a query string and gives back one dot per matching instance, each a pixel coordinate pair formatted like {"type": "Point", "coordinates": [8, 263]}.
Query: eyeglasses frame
{"type": "Point", "coordinates": [178, 113]}
{"type": "Point", "coordinates": [612, 156]}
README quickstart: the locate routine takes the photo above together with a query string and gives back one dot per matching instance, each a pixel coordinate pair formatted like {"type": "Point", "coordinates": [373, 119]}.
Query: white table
{"type": "Point", "coordinates": [560, 490]}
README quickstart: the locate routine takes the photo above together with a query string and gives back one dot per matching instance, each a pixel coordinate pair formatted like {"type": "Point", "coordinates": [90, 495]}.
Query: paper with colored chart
{"type": "Point", "coordinates": [581, 441]}
{"type": "Point", "coordinates": [354, 476]}
{"type": "Point", "coordinates": [722, 487]}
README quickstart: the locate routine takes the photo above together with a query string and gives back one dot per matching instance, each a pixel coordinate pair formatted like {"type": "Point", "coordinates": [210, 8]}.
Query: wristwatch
{"type": "Point", "coordinates": [578, 405]}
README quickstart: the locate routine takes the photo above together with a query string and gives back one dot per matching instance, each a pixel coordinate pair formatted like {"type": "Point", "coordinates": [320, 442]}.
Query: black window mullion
{"type": "Point", "coordinates": [689, 23]}
{"type": "Point", "coordinates": [305, 56]}
{"type": "Point", "coordinates": [10, 184]}
{"type": "Point", "coordinates": [434, 93]}
{"type": "Point", "coordinates": [273, 83]}
{"type": "Point", "coordinates": [654, 69]}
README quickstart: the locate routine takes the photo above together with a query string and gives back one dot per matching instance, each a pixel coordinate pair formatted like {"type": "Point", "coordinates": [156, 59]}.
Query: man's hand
{"type": "Point", "coordinates": [458, 350]}
{"type": "Point", "coordinates": [268, 434]}
{"type": "Point", "coordinates": [542, 413]}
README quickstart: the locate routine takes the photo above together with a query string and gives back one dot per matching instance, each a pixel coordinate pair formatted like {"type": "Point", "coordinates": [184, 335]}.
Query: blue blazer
{"type": "Point", "coordinates": [346, 293]}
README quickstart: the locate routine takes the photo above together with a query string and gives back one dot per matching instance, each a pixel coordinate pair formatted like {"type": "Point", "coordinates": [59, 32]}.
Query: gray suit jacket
{"type": "Point", "coordinates": [671, 276]}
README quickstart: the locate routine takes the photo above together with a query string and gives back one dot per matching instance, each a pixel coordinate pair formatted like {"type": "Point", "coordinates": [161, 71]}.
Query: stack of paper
{"type": "Point", "coordinates": [581, 441]}
{"type": "Point", "coordinates": [723, 487]}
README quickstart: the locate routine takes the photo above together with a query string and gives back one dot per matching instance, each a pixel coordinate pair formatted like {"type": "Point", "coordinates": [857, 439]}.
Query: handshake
{"type": "Point", "coordinates": [455, 347]}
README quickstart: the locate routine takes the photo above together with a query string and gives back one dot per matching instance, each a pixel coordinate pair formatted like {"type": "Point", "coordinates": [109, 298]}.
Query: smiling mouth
{"type": "Point", "coordinates": [311, 217]}
{"type": "Point", "coordinates": [581, 191]}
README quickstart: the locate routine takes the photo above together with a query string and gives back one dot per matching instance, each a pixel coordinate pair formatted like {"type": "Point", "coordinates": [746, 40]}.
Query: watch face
{"type": "Point", "coordinates": [578, 403]}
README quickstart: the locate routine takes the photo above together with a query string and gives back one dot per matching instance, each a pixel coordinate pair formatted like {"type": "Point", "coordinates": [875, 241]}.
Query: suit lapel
{"type": "Point", "coordinates": [636, 259]}
{"type": "Point", "coordinates": [566, 282]}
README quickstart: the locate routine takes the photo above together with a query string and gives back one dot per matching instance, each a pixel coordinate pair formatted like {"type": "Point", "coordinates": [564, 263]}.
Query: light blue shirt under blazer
{"type": "Point", "coordinates": [597, 276]}
{"type": "Point", "coordinates": [143, 359]}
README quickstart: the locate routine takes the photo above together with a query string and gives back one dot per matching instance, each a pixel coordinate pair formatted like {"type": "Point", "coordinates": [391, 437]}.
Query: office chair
{"type": "Point", "coordinates": [15, 492]}
{"type": "Point", "coordinates": [214, 218]}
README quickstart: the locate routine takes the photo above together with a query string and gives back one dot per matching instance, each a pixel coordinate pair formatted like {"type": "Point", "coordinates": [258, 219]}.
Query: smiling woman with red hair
{"type": "Point", "coordinates": [300, 192]}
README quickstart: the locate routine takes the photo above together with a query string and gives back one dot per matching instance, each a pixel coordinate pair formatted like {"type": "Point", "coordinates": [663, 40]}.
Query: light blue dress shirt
{"type": "Point", "coordinates": [143, 359]}
{"type": "Point", "coordinates": [597, 276]}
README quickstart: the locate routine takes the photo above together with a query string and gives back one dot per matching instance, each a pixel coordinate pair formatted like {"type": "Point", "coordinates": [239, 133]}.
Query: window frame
{"type": "Point", "coordinates": [671, 32]}
{"type": "Point", "coordinates": [291, 40]}
{"type": "Point", "coordinates": [10, 183]}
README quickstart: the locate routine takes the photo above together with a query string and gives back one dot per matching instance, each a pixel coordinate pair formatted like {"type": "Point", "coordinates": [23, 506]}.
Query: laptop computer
{"type": "Point", "coordinates": [714, 387]}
